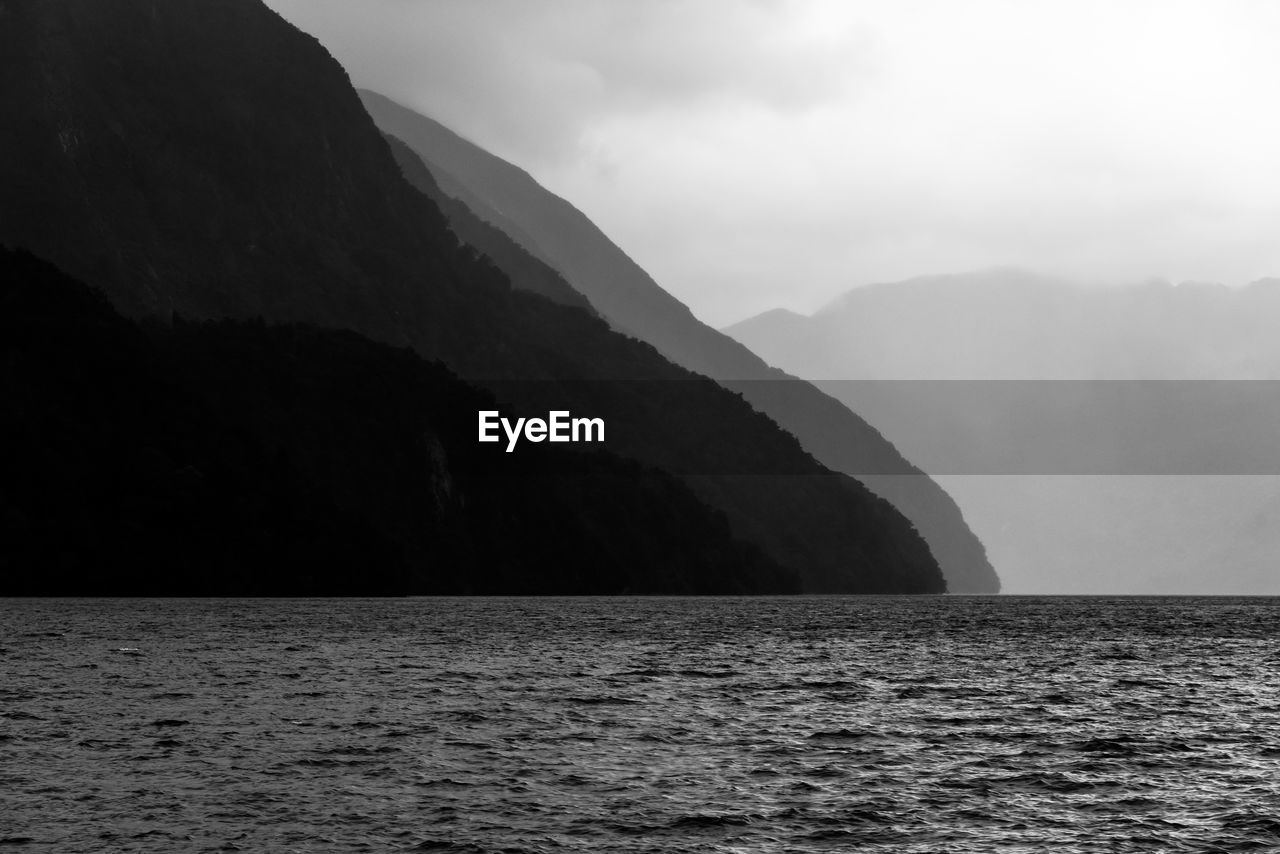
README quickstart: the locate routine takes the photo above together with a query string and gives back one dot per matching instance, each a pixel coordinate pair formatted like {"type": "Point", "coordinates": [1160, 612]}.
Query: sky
{"type": "Point", "coordinates": [756, 154]}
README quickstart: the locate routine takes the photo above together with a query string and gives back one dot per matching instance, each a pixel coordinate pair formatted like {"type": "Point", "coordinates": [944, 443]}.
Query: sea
{"type": "Point", "coordinates": [513, 725]}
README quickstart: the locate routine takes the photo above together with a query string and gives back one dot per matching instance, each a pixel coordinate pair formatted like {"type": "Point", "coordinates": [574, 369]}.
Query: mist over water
{"type": "Point", "coordinates": [1097, 440]}
{"type": "Point", "coordinates": [665, 725]}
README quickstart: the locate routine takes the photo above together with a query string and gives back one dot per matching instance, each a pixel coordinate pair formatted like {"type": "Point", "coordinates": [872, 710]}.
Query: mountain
{"type": "Point", "coordinates": [236, 458]}
{"type": "Point", "coordinates": [550, 229]}
{"type": "Point", "coordinates": [1100, 440]}
{"type": "Point", "coordinates": [522, 269]}
{"type": "Point", "coordinates": [203, 159]}
{"type": "Point", "coordinates": [1009, 324]}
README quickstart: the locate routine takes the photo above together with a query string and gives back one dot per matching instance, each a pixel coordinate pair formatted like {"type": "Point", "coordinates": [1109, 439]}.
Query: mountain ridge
{"type": "Point", "coordinates": [270, 460]}
{"type": "Point", "coordinates": [1025, 325]}
{"type": "Point", "coordinates": [202, 159]}
{"type": "Point", "coordinates": [624, 294]}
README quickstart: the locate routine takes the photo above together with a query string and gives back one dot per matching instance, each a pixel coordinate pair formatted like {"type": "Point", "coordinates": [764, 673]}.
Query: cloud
{"type": "Point", "coordinates": [759, 153]}
{"type": "Point", "coordinates": [530, 77]}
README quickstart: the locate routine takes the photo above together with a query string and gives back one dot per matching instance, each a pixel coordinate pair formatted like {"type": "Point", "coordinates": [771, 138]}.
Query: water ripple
{"type": "Point", "coordinates": [659, 725]}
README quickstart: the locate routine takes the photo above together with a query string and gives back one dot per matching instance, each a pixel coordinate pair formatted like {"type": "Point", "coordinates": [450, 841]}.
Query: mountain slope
{"type": "Point", "coordinates": [234, 458]}
{"type": "Point", "coordinates": [521, 268]}
{"type": "Point", "coordinates": [553, 230]}
{"type": "Point", "coordinates": [203, 159]}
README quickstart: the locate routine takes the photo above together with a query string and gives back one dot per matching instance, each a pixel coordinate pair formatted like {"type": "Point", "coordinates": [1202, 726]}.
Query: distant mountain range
{"type": "Point", "coordinates": [1013, 324]}
{"type": "Point", "coordinates": [200, 160]}
{"type": "Point", "coordinates": [469, 183]}
{"type": "Point", "coordinates": [1099, 440]}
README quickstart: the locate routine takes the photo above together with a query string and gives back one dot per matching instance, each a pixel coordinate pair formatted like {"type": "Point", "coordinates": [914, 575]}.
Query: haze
{"type": "Point", "coordinates": [753, 155]}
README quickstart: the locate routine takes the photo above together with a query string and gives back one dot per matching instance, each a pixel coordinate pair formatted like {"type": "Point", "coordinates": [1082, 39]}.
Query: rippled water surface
{"type": "Point", "coordinates": [564, 725]}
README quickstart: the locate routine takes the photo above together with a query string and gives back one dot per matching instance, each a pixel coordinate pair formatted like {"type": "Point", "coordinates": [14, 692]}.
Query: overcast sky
{"type": "Point", "coordinates": [752, 154]}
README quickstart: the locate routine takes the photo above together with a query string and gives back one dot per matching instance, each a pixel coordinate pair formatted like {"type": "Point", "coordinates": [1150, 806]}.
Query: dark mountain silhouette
{"type": "Point", "coordinates": [1099, 439]}
{"type": "Point", "coordinates": [522, 269]}
{"type": "Point", "coordinates": [552, 230]}
{"type": "Point", "coordinates": [204, 159]}
{"type": "Point", "coordinates": [235, 458]}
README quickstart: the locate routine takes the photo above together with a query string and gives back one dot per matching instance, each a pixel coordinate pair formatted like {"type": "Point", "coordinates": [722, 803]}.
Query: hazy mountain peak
{"type": "Point", "coordinates": [1010, 282]}
{"type": "Point", "coordinates": [773, 315]}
